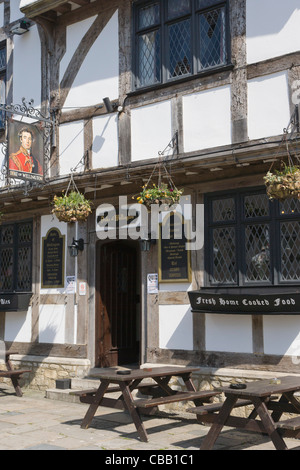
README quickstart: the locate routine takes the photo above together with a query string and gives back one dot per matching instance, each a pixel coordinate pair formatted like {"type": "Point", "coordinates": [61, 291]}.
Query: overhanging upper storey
{"type": "Point", "coordinates": [50, 8]}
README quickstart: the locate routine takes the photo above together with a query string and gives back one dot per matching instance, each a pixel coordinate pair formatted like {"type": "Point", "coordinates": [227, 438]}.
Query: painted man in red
{"type": "Point", "coordinates": [22, 160]}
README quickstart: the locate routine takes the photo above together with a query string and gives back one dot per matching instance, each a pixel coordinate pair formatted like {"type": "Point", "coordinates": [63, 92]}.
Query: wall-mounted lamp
{"type": "Point", "coordinates": [20, 28]}
{"type": "Point", "coordinates": [77, 245]}
{"type": "Point", "coordinates": [145, 243]}
{"type": "Point", "coordinates": [111, 107]}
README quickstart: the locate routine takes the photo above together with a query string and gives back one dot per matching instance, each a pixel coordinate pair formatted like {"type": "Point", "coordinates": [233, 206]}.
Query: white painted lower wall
{"type": "Point", "coordinates": [229, 333]}
{"type": "Point", "coordinates": [175, 327]}
{"type": "Point", "coordinates": [18, 326]}
{"type": "Point", "coordinates": [282, 334]}
{"type": "Point", "coordinates": [268, 105]}
{"type": "Point", "coordinates": [52, 324]}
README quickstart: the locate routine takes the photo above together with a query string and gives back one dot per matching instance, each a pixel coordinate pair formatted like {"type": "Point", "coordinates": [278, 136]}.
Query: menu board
{"type": "Point", "coordinates": [174, 258]}
{"type": "Point", "coordinates": [53, 259]}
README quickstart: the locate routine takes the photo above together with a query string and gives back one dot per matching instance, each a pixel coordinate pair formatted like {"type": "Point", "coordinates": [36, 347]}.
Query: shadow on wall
{"type": "Point", "coordinates": [269, 16]}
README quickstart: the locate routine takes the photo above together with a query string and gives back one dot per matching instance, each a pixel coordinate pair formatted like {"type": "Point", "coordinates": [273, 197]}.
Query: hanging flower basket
{"type": "Point", "coordinates": [161, 194]}
{"type": "Point", "coordinates": [283, 184]}
{"type": "Point", "coordinates": [72, 207]}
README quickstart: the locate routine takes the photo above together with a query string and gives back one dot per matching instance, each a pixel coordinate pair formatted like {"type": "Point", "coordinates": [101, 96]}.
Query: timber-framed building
{"type": "Point", "coordinates": [206, 91]}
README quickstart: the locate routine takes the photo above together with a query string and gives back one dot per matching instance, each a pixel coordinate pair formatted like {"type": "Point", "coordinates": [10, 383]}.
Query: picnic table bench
{"type": "Point", "coordinates": [133, 381]}
{"type": "Point", "coordinates": [270, 401]}
{"type": "Point", "coordinates": [12, 374]}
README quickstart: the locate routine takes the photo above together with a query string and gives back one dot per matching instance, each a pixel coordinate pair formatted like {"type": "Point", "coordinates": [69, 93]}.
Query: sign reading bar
{"type": "Point", "coordinates": [14, 302]}
{"type": "Point", "coordinates": [273, 304]}
{"type": "Point", "coordinates": [53, 259]}
{"type": "Point", "coordinates": [174, 259]}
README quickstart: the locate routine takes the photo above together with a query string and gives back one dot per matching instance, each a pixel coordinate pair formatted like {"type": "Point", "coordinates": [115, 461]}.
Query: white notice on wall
{"type": "Point", "coordinates": [71, 283]}
{"type": "Point", "coordinates": [82, 288]}
{"type": "Point", "coordinates": [152, 283]}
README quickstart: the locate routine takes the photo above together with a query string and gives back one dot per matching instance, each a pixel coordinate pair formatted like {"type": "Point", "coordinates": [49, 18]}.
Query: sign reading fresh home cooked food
{"type": "Point", "coordinates": [275, 303]}
{"type": "Point", "coordinates": [174, 258]}
{"type": "Point", "coordinates": [53, 259]}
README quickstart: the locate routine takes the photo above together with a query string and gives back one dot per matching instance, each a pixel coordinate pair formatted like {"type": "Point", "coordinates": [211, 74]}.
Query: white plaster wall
{"type": "Point", "coordinates": [48, 222]}
{"type": "Point", "coordinates": [272, 28]}
{"type": "Point", "coordinates": [27, 67]}
{"type": "Point", "coordinates": [175, 327]}
{"type": "Point", "coordinates": [15, 12]}
{"type": "Point", "coordinates": [151, 130]}
{"type": "Point", "coordinates": [282, 335]}
{"type": "Point", "coordinates": [229, 333]}
{"type": "Point", "coordinates": [105, 144]}
{"type": "Point", "coordinates": [71, 144]}
{"type": "Point", "coordinates": [207, 119]}
{"type": "Point", "coordinates": [99, 73]}
{"type": "Point", "coordinates": [18, 326]}
{"type": "Point", "coordinates": [52, 324]}
{"type": "Point", "coordinates": [268, 105]}
{"type": "Point", "coordinates": [1, 15]}
{"type": "Point", "coordinates": [74, 34]}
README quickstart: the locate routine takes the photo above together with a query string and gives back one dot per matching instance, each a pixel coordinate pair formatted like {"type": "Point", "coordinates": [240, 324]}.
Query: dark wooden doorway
{"type": "Point", "coordinates": [117, 334]}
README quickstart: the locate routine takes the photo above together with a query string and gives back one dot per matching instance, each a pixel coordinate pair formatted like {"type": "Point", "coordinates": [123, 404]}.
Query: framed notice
{"type": "Point", "coordinates": [174, 259]}
{"type": "Point", "coordinates": [53, 259]}
{"type": "Point", "coordinates": [25, 151]}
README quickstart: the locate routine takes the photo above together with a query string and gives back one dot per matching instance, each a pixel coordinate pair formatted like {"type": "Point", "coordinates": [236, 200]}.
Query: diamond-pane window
{"type": "Point", "coordinates": [212, 38]}
{"type": "Point", "coordinates": [2, 58]}
{"type": "Point", "coordinates": [290, 206]}
{"type": "Point", "coordinates": [149, 58]}
{"type": "Point", "coordinates": [290, 251]}
{"type": "Point", "coordinates": [2, 83]}
{"type": "Point", "coordinates": [257, 253]}
{"type": "Point", "coordinates": [180, 49]}
{"type": "Point", "coordinates": [16, 257]}
{"type": "Point", "coordinates": [149, 16]}
{"type": "Point", "coordinates": [176, 38]}
{"type": "Point", "coordinates": [223, 209]}
{"type": "Point", "coordinates": [178, 8]}
{"type": "Point", "coordinates": [224, 257]}
{"type": "Point", "coordinates": [256, 205]}
{"type": "Point", "coordinates": [6, 269]}
{"type": "Point", "coordinates": [252, 241]}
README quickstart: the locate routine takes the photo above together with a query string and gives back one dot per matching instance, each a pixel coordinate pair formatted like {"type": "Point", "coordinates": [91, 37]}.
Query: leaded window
{"type": "Point", "coordinates": [16, 257]}
{"type": "Point", "coordinates": [251, 240]}
{"type": "Point", "coordinates": [178, 38]}
{"type": "Point", "coordinates": [2, 83]}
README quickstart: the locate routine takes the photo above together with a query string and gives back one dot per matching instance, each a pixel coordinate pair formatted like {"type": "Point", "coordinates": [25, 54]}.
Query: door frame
{"type": "Point", "coordinates": [139, 328]}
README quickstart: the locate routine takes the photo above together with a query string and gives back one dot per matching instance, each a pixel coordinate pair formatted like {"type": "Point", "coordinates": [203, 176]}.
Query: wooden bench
{"type": "Point", "coordinates": [214, 407]}
{"type": "Point", "coordinates": [12, 374]}
{"type": "Point", "coordinates": [292, 424]}
{"type": "Point", "coordinates": [203, 396]}
{"type": "Point", "coordinates": [144, 388]}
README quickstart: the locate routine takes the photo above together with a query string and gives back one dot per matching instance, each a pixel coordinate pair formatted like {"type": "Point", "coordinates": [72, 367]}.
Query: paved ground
{"type": "Point", "coordinates": [36, 423]}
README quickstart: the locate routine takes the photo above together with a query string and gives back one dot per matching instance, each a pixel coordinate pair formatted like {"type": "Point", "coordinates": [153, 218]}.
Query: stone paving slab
{"type": "Point", "coordinates": [33, 422]}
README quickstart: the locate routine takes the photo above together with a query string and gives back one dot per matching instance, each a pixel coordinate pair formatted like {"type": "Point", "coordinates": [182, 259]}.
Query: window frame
{"type": "Point", "coordinates": [274, 219]}
{"type": "Point", "coordinates": [3, 75]}
{"type": "Point", "coordinates": [162, 26]}
{"type": "Point", "coordinates": [16, 244]}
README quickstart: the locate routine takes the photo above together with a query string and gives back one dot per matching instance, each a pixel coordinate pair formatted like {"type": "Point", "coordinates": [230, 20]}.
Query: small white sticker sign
{"type": "Point", "coordinates": [152, 283]}
{"type": "Point", "coordinates": [82, 288]}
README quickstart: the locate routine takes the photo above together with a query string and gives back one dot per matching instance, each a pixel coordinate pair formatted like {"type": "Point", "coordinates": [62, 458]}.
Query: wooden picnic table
{"type": "Point", "coordinates": [270, 401]}
{"type": "Point", "coordinates": [12, 374]}
{"type": "Point", "coordinates": [160, 390]}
